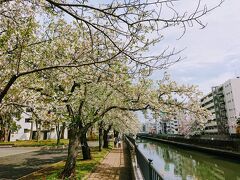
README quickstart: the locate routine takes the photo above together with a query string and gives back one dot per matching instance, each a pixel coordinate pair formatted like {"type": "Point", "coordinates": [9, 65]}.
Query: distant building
{"type": "Point", "coordinates": [224, 104]}
{"type": "Point", "coordinates": [169, 126]}
{"type": "Point", "coordinates": [27, 125]}
{"type": "Point", "coordinates": [208, 102]}
{"type": "Point", "coordinates": [150, 127]}
{"type": "Point", "coordinates": [162, 126]}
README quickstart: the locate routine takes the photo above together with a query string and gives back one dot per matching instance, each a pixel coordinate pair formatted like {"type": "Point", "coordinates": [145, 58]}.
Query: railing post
{"type": "Point", "coordinates": [136, 154]}
{"type": "Point", "coordinates": [150, 168]}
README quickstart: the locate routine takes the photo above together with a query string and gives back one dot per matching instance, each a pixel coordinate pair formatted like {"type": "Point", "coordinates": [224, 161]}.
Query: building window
{"type": "Point", "coordinates": [28, 120]}
{"type": "Point", "coordinates": [26, 130]}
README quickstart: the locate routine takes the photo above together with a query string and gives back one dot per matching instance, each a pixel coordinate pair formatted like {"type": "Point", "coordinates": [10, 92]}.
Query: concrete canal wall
{"type": "Point", "coordinates": [225, 148]}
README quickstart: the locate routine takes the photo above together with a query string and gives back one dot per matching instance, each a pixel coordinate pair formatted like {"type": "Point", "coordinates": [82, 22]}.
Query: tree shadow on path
{"type": "Point", "coordinates": [16, 166]}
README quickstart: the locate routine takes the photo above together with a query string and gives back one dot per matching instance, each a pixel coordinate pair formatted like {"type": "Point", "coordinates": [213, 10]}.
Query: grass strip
{"type": "Point", "coordinates": [34, 143]}
{"type": "Point", "coordinates": [83, 167]}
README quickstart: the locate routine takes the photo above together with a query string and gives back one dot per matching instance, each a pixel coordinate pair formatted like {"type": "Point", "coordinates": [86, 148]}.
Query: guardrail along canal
{"type": "Point", "coordinates": [176, 163]}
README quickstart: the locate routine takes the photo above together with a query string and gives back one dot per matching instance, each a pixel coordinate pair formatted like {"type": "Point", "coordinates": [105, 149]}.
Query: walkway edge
{"type": "Point", "coordinates": [32, 173]}
{"type": "Point", "coordinates": [94, 168]}
{"type": "Point", "coordinates": [136, 170]}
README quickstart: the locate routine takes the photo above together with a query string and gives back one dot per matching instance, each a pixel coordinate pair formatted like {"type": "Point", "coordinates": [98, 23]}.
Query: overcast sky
{"type": "Point", "coordinates": [212, 54]}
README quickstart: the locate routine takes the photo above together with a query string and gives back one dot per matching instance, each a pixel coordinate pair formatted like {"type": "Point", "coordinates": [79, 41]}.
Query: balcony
{"type": "Point", "coordinates": [220, 93]}
{"type": "Point", "coordinates": [222, 106]}
{"type": "Point", "coordinates": [223, 117]}
{"type": "Point", "coordinates": [211, 131]}
{"type": "Point", "coordinates": [211, 123]}
{"type": "Point", "coordinates": [212, 110]}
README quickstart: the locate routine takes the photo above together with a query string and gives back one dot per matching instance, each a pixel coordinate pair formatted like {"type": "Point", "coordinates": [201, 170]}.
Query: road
{"type": "Point", "coordinates": [7, 151]}
{"type": "Point", "coordinates": [18, 162]}
{"type": "Point", "coordinates": [18, 165]}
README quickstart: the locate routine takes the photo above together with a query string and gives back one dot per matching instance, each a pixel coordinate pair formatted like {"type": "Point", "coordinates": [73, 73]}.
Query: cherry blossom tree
{"type": "Point", "coordinates": [106, 46]}
{"type": "Point", "coordinates": [27, 33]}
{"type": "Point", "coordinates": [95, 96]}
{"type": "Point", "coordinates": [124, 122]}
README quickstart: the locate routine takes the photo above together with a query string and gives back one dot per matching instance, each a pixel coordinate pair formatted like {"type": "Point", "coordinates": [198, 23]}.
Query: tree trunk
{"type": "Point", "coordinates": [1, 135]}
{"type": "Point", "coordinates": [6, 135]}
{"type": "Point", "coordinates": [38, 129]}
{"type": "Point", "coordinates": [85, 148]}
{"type": "Point", "coordinates": [9, 135]}
{"type": "Point", "coordinates": [63, 130]}
{"type": "Point", "coordinates": [105, 137]}
{"type": "Point", "coordinates": [91, 134]}
{"type": "Point", "coordinates": [70, 165]}
{"type": "Point", "coordinates": [2, 129]}
{"type": "Point", "coordinates": [100, 136]}
{"type": "Point", "coordinates": [58, 132]}
{"type": "Point", "coordinates": [116, 133]}
{"type": "Point", "coordinates": [31, 131]}
{"type": "Point", "coordinates": [5, 89]}
{"type": "Point", "coordinates": [38, 134]}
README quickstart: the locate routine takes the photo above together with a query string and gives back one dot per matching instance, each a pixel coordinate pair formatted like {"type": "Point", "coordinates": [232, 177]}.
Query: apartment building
{"type": "Point", "coordinates": [224, 104]}
{"type": "Point", "coordinates": [27, 125]}
{"type": "Point", "coordinates": [232, 100]}
{"type": "Point", "coordinates": [161, 126]}
{"type": "Point", "coordinates": [150, 127]}
{"type": "Point", "coordinates": [170, 126]}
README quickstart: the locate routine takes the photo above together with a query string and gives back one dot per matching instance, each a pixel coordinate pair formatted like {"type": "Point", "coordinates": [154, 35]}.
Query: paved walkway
{"type": "Point", "coordinates": [116, 166]}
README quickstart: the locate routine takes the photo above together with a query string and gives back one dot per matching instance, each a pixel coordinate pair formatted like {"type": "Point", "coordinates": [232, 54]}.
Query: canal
{"type": "Point", "coordinates": [174, 163]}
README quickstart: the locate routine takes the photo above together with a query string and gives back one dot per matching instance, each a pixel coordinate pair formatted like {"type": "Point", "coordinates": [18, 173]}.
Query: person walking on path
{"type": "Point", "coordinates": [119, 142]}
{"type": "Point", "coordinates": [115, 141]}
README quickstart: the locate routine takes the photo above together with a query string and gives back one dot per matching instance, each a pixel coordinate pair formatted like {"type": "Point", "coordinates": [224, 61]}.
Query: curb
{"type": "Point", "coordinates": [61, 147]}
{"type": "Point", "coordinates": [6, 146]}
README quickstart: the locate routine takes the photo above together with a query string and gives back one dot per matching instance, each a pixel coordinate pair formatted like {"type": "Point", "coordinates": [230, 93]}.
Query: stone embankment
{"type": "Point", "coordinates": [227, 148]}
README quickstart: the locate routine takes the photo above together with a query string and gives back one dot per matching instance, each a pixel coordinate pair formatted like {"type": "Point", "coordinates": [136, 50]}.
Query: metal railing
{"type": "Point", "coordinates": [145, 165]}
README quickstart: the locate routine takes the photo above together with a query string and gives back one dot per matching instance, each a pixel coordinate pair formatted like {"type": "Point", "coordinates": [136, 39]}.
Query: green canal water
{"type": "Point", "coordinates": [180, 164]}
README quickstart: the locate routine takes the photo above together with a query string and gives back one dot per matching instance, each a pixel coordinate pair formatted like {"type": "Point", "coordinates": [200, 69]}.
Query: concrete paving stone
{"type": "Point", "coordinates": [115, 166]}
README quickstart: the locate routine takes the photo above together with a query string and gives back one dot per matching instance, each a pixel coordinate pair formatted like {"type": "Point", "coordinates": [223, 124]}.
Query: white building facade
{"type": "Point", "coordinates": [169, 126]}
{"type": "Point", "coordinates": [224, 104]}
{"type": "Point", "coordinates": [27, 125]}
{"type": "Point", "coordinates": [150, 127]}
{"type": "Point", "coordinates": [232, 100]}
{"type": "Point", "coordinates": [162, 126]}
